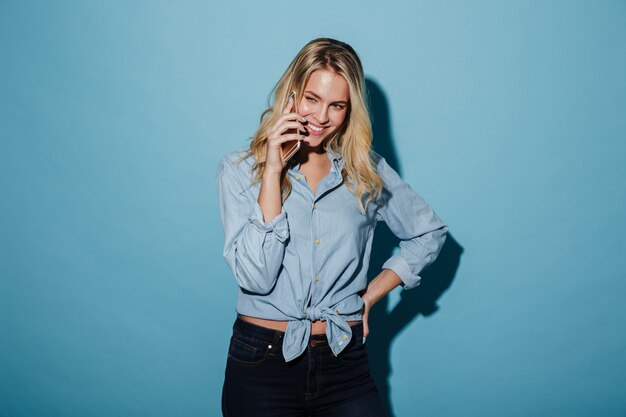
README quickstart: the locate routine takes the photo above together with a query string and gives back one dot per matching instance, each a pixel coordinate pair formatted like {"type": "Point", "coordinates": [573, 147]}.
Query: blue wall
{"type": "Point", "coordinates": [508, 117]}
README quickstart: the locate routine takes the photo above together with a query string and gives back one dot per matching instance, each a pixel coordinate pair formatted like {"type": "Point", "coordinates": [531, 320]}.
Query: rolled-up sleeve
{"type": "Point", "coordinates": [253, 249]}
{"type": "Point", "coordinates": [421, 232]}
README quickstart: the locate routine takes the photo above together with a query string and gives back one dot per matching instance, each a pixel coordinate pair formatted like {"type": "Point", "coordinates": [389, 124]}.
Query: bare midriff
{"type": "Point", "coordinates": [317, 327]}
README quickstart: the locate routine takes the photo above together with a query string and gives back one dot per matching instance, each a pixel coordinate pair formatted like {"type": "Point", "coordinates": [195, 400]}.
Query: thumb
{"type": "Point", "coordinates": [289, 104]}
{"type": "Point", "coordinates": [366, 329]}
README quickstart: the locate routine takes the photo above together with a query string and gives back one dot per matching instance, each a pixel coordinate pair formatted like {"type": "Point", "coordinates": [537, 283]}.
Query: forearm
{"type": "Point", "coordinates": [380, 286]}
{"type": "Point", "coordinates": [270, 199]}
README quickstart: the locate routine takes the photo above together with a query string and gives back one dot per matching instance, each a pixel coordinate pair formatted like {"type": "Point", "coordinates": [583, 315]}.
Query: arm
{"type": "Point", "coordinates": [270, 195]}
{"type": "Point", "coordinates": [253, 248]}
{"type": "Point", "coordinates": [421, 233]}
{"type": "Point", "coordinates": [256, 230]}
{"type": "Point", "coordinates": [270, 199]}
{"type": "Point", "coordinates": [377, 289]}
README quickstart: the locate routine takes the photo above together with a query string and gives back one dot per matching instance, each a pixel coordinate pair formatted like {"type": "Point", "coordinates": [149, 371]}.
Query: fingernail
{"type": "Point", "coordinates": [303, 119]}
{"type": "Point", "coordinates": [363, 339]}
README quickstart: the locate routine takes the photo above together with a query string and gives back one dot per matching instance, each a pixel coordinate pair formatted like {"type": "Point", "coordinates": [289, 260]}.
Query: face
{"type": "Point", "coordinates": [324, 104]}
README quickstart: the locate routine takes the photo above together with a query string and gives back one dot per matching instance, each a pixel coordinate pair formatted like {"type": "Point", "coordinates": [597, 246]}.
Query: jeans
{"type": "Point", "coordinates": [260, 383]}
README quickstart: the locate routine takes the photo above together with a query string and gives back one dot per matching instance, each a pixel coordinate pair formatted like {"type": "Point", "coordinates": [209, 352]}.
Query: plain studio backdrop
{"type": "Point", "coordinates": [509, 118]}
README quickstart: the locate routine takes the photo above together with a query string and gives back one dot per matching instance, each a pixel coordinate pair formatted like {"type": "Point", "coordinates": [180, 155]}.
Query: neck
{"type": "Point", "coordinates": [314, 156]}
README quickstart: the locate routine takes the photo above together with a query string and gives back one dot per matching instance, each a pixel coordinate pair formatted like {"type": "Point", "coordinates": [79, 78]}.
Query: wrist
{"type": "Point", "coordinates": [271, 175]}
{"type": "Point", "coordinates": [380, 286]}
{"type": "Point", "coordinates": [367, 298]}
{"type": "Point", "coordinates": [272, 171]}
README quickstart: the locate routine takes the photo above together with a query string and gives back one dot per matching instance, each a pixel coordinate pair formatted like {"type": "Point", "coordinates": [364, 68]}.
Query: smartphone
{"type": "Point", "coordinates": [291, 147]}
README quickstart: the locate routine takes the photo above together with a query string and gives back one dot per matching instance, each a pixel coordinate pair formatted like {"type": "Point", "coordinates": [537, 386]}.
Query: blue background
{"type": "Point", "coordinates": [507, 117]}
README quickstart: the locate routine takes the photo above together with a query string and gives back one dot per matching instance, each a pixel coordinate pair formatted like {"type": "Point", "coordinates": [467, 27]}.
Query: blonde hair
{"type": "Point", "coordinates": [353, 140]}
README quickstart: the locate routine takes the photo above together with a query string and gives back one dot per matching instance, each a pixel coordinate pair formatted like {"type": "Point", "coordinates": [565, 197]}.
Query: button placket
{"type": "Point", "coordinates": [300, 178]}
{"type": "Point", "coordinates": [313, 226]}
{"type": "Point", "coordinates": [315, 230]}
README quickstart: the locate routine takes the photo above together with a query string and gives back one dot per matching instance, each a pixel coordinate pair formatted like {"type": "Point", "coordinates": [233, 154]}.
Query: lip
{"type": "Point", "coordinates": [315, 132]}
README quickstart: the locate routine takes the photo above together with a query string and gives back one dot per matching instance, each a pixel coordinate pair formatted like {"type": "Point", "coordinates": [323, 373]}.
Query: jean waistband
{"type": "Point", "coordinates": [275, 337]}
{"type": "Point", "coordinates": [256, 332]}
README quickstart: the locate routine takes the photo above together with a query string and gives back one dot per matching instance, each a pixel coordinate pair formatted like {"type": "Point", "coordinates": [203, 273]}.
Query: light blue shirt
{"type": "Point", "coordinates": [310, 262]}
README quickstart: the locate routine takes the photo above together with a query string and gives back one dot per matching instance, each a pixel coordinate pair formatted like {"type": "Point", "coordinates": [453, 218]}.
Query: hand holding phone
{"type": "Point", "coordinates": [291, 147]}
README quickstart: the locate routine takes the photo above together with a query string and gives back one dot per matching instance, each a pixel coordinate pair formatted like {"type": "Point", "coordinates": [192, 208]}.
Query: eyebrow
{"type": "Point", "coordinates": [319, 98]}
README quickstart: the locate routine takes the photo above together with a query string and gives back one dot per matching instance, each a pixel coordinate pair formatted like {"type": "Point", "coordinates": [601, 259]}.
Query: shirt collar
{"type": "Point", "coordinates": [335, 157]}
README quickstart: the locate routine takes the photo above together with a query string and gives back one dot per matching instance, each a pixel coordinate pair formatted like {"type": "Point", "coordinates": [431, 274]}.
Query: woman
{"type": "Point", "coordinates": [298, 237]}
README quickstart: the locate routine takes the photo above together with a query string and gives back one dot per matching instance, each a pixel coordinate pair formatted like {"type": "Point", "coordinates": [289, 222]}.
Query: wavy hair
{"type": "Point", "coordinates": [353, 140]}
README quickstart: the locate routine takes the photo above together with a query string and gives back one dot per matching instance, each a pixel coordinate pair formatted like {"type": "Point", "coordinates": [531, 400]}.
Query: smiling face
{"type": "Point", "coordinates": [324, 104]}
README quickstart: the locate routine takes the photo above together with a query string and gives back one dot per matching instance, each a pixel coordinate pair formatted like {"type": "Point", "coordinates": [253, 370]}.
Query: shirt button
{"type": "Point", "coordinates": [304, 311]}
{"type": "Point", "coordinates": [345, 336]}
{"type": "Point", "coordinates": [297, 177]}
{"type": "Point", "coordinates": [340, 342]}
{"type": "Point", "coordinates": [317, 241]}
{"type": "Point", "coordinates": [317, 277]}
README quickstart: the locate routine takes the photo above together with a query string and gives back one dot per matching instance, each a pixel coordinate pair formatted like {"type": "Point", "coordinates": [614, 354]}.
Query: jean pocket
{"type": "Point", "coordinates": [355, 352]}
{"type": "Point", "coordinates": [247, 351]}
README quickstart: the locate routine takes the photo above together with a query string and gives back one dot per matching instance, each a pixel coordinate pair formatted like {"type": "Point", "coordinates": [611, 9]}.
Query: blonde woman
{"type": "Point", "coordinates": [298, 236]}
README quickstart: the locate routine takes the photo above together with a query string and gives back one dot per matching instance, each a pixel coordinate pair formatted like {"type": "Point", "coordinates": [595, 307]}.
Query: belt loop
{"type": "Point", "coordinates": [277, 339]}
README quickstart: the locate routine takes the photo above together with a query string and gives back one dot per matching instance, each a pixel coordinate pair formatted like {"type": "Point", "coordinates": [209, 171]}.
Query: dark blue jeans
{"type": "Point", "coordinates": [260, 383]}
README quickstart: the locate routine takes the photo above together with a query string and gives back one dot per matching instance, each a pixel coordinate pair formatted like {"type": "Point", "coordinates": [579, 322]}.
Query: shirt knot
{"type": "Point", "coordinates": [299, 331]}
{"type": "Point", "coordinates": [314, 314]}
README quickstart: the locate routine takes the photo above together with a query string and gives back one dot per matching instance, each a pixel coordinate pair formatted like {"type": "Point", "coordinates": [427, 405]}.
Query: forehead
{"type": "Point", "coordinates": [328, 85]}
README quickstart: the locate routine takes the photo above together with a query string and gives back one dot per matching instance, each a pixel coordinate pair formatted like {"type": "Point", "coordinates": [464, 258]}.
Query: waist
{"type": "Point", "coordinates": [317, 327]}
{"type": "Point", "coordinates": [275, 338]}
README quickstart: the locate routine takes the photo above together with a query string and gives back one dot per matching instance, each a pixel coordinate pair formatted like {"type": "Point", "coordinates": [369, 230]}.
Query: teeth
{"type": "Point", "coordinates": [317, 129]}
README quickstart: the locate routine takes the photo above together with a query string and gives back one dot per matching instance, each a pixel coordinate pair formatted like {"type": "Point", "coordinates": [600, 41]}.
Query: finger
{"type": "Point", "coordinates": [282, 128]}
{"type": "Point", "coordinates": [286, 138]}
{"type": "Point", "coordinates": [291, 125]}
{"type": "Point", "coordinates": [281, 137]}
{"type": "Point", "coordinates": [290, 116]}
{"type": "Point", "coordinates": [366, 330]}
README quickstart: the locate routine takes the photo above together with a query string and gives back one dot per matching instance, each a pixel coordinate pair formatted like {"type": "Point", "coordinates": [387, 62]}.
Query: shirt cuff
{"type": "Point", "coordinates": [400, 266]}
{"type": "Point", "coordinates": [278, 225]}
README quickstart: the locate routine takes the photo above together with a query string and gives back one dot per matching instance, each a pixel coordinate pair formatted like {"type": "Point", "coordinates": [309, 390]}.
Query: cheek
{"type": "Point", "coordinates": [339, 118]}
{"type": "Point", "coordinates": [305, 108]}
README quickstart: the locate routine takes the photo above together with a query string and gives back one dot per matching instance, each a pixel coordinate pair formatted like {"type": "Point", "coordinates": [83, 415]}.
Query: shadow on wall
{"type": "Point", "coordinates": [386, 325]}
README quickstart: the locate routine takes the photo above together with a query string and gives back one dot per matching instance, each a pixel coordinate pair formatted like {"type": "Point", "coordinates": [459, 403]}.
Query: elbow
{"type": "Point", "coordinates": [443, 234]}
{"type": "Point", "coordinates": [435, 241]}
{"type": "Point", "coordinates": [255, 280]}
{"type": "Point", "coordinates": [255, 263]}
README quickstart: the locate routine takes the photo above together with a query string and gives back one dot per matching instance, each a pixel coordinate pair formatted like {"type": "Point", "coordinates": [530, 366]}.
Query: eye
{"type": "Point", "coordinates": [338, 106]}
{"type": "Point", "coordinates": [311, 99]}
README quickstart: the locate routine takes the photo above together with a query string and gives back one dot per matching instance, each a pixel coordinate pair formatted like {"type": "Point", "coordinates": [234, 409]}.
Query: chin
{"type": "Point", "coordinates": [316, 142]}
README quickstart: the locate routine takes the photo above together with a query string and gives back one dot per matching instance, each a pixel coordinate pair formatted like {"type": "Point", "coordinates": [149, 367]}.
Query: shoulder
{"type": "Point", "coordinates": [377, 158]}
{"type": "Point", "coordinates": [235, 161]}
{"type": "Point", "coordinates": [236, 166]}
{"type": "Point", "coordinates": [386, 172]}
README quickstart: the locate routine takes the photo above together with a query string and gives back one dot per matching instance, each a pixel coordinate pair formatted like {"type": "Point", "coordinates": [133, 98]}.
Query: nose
{"type": "Point", "coordinates": [322, 115]}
